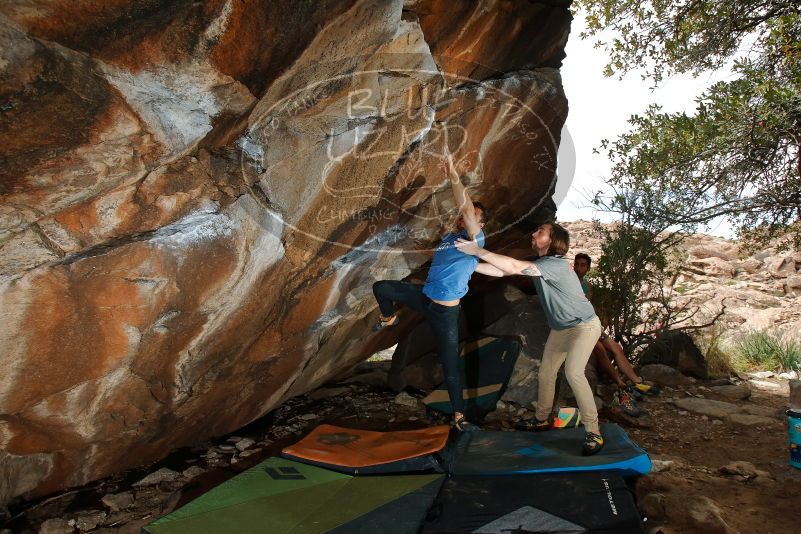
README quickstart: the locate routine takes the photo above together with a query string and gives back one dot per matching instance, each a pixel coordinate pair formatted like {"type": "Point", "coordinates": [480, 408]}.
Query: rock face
{"type": "Point", "coordinates": [197, 196]}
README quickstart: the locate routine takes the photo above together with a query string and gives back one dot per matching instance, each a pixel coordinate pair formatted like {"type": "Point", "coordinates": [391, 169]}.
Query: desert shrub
{"type": "Point", "coordinates": [769, 350]}
{"type": "Point", "coordinates": [718, 355]}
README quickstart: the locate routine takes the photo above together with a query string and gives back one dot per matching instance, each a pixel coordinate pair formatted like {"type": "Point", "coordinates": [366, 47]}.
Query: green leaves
{"type": "Point", "coordinates": [667, 37]}
{"type": "Point", "coordinates": [737, 155]}
{"type": "Point", "coordinates": [629, 279]}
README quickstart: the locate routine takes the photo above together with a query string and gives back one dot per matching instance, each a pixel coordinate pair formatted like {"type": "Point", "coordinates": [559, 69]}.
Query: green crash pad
{"type": "Point", "coordinates": [283, 496]}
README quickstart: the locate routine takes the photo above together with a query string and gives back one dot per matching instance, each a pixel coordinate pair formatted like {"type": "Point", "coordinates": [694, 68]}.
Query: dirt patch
{"type": "Point", "coordinates": [695, 448]}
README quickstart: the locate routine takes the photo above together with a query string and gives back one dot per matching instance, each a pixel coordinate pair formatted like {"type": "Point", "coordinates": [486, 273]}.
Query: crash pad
{"type": "Point", "coordinates": [367, 452]}
{"type": "Point", "coordinates": [504, 453]}
{"type": "Point", "coordinates": [565, 503]}
{"type": "Point", "coordinates": [279, 495]}
{"type": "Point", "coordinates": [487, 363]}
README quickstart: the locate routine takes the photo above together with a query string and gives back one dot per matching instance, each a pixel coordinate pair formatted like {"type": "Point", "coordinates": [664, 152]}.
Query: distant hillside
{"type": "Point", "coordinates": [761, 291]}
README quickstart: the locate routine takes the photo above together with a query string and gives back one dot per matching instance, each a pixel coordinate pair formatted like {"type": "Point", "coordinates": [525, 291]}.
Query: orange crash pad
{"type": "Point", "coordinates": [367, 452]}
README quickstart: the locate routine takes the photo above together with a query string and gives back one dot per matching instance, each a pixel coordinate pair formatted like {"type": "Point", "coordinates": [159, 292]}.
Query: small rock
{"type": "Point", "coordinates": [500, 405]}
{"type": "Point", "coordinates": [653, 506]}
{"type": "Point", "coordinates": [664, 375]}
{"type": "Point", "coordinates": [309, 417]}
{"type": "Point", "coordinates": [719, 382]}
{"type": "Point", "coordinates": [717, 422]}
{"type": "Point", "coordinates": [226, 448]}
{"type": "Point", "coordinates": [191, 472]}
{"type": "Point", "coordinates": [413, 418]}
{"type": "Point", "coordinates": [659, 466]}
{"type": "Point", "coordinates": [761, 374]}
{"type": "Point", "coordinates": [404, 399]}
{"type": "Point", "coordinates": [55, 526]}
{"type": "Point", "coordinates": [118, 501]}
{"type": "Point", "coordinates": [756, 409]}
{"type": "Point", "coordinates": [162, 475]}
{"type": "Point", "coordinates": [793, 285]}
{"type": "Point", "coordinates": [233, 439]}
{"type": "Point", "coordinates": [780, 266]}
{"type": "Point", "coordinates": [792, 375]}
{"type": "Point", "coordinates": [211, 454]}
{"type": "Point", "coordinates": [90, 521]}
{"type": "Point", "coordinates": [683, 413]}
{"type": "Point", "coordinates": [708, 407]}
{"type": "Point", "coordinates": [749, 420]}
{"type": "Point", "coordinates": [245, 443]}
{"type": "Point", "coordinates": [250, 452]}
{"type": "Point", "coordinates": [739, 392]}
{"type": "Point", "coordinates": [744, 469]}
{"type": "Point", "coordinates": [705, 515]}
{"type": "Point", "coordinates": [764, 384]}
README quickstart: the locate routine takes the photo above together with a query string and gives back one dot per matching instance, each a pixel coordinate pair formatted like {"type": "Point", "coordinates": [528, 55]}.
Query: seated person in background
{"type": "Point", "coordinates": [607, 350]}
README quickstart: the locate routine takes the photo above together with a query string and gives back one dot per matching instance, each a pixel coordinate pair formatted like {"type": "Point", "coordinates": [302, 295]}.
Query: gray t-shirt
{"type": "Point", "coordinates": [561, 295]}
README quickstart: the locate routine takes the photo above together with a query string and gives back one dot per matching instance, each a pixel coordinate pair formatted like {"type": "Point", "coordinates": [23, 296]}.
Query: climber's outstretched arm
{"type": "Point", "coordinates": [463, 201]}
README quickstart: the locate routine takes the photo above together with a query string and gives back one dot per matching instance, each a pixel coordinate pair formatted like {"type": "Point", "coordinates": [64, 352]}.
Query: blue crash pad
{"type": "Point", "coordinates": [555, 451]}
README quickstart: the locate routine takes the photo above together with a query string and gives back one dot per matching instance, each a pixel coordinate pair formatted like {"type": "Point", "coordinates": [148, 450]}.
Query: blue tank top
{"type": "Point", "coordinates": [451, 268]}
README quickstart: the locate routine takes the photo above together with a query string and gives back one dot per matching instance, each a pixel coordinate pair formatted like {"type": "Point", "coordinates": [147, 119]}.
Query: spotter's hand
{"type": "Point", "coordinates": [468, 247]}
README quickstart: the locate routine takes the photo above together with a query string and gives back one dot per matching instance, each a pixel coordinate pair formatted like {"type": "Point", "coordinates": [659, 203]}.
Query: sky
{"type": "Point", "coordinates": [600, 108]}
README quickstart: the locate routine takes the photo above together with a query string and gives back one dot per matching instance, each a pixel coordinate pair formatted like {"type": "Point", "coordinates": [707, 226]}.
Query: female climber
{"type": "Point", "coordinates": [438, 300]}
{"type": "Point", "coordinates": [574, 326]}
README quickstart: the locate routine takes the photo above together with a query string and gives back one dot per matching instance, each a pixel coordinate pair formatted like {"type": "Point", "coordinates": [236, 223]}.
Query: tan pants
{"type": "Point", "coordinates": [573, 347]}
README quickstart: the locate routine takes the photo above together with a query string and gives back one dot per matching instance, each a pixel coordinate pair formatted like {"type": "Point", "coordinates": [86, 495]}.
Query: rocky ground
{"type": "Point", "coordinates": [719, 449]}
{"type": "Point", "coordinates": [760, 290]}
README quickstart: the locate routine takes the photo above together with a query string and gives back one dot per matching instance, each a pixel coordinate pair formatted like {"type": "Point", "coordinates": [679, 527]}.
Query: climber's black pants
{"type": "Point", "coordinates": [444, 321]}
